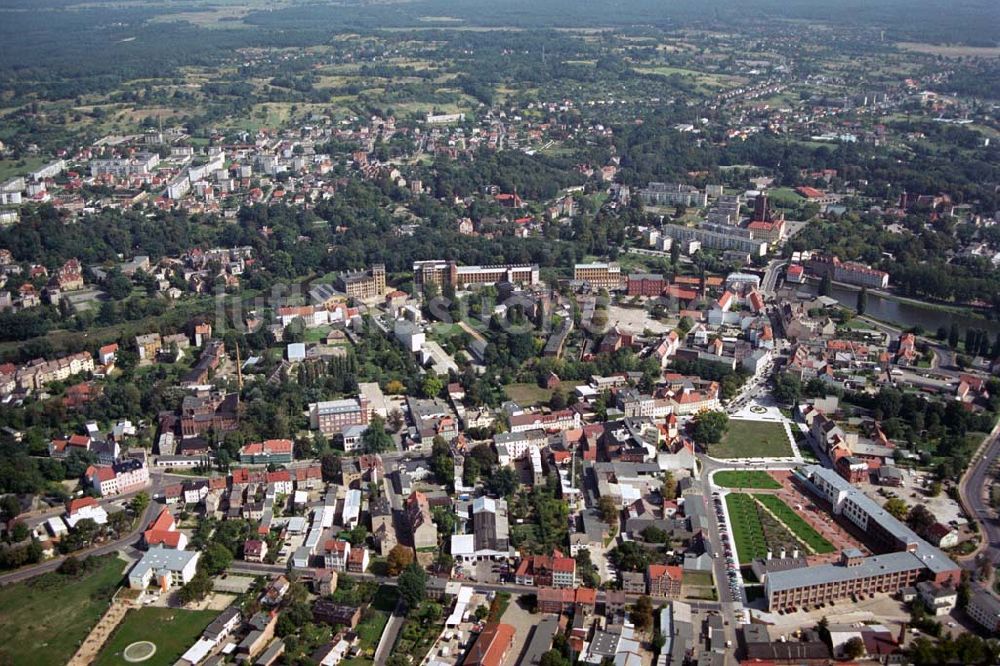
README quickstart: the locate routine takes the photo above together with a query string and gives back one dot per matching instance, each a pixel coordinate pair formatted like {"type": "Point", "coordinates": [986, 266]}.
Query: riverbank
{"type": "Point", "coordinates": [906, 312]}
{"type": "Point", "coordinates": [965, 310]}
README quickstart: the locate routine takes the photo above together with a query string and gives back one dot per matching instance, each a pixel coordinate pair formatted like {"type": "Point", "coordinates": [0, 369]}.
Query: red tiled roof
{"type": "Point", "coordinates": [661, 570]}
{"type": "Point", "coordinates": [164, 521]}
{"type": "Point", "coordinates": [491, 645]}
{"type": "Point", "coordinates": [162, 537]}
{"type": "Point", "coordinates": [81, 503]}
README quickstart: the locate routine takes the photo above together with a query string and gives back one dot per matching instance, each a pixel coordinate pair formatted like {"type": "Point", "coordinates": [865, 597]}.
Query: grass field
{"type": "Point", "coordinates": [316, 334]}
{"type": "Point", "coordinates": [753, 439]}
{"type": "Point", "coordinates": [172, 630]}
{"type": "Point", "coordinates": [747, 530]}
{"type": "Point", "coordinates": [42, 621]}
{"type": "Point", "coordinates": [793, 521]}
{"type": "Point", "coordinates": [527, 395]}
{"type": "Point", "coordinates": [698, 578]}
{"type": "Point", "coordinates": [733, 478]}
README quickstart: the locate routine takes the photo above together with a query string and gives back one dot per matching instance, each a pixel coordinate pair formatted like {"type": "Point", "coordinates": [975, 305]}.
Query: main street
{"type": "Point", "coordinates": [249, 568]}
{"type": "Point", "coordinates": [973, 490]}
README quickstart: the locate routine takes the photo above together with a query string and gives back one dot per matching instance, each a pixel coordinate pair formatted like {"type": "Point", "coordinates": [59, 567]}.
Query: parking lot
{"type": "Point", "coordinates": [913, 491]}
{"type": "Point", "coordinates": [635, 320]}
{"type": "Point", "coordinates": [733, 576]}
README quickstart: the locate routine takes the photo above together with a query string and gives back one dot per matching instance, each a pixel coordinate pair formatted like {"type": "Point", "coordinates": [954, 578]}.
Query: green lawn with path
{"type": "Point", "coordinates": [745, 478]}
{"type": "Point", "coordinates": [796, 523]}
{"type": "Point", "coordinates": [753, 439]}
{"type": "Point", "coordinates": [748, 533]}
{"type": "Point", "coordinates": [43, 620]}
{"type": "Point", "coordinates": [172, 630]}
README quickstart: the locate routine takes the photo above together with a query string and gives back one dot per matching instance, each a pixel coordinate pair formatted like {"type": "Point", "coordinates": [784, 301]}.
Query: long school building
{"type": "Point", "coordinates": [908, 557]}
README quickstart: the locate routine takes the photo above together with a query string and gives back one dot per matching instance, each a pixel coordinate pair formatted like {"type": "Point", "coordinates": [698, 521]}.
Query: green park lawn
{"type": "Point", "coordinates": [793, 521]}
{"type": "Point", "coordinates": [733, 478]}
{"type": "Point", "coordinates": [171, 629]}
{"type": "Point", "coordinates": [43, 620]}
{"type": "Point", "coordinates": [752, 439]}
{"type": "Point", "coordinates": [747, 529]}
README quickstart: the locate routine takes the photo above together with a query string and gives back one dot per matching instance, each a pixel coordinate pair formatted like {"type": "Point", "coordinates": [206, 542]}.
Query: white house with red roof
{"type": "Point", "coordinates": [85, 508]}
{"type": "Point", "coordinates": [108, 354]}
{"type": "Point", "coordinates": [123, 477]}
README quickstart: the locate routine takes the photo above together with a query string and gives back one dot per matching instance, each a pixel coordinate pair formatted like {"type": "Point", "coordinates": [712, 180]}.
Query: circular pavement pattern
{"type": "Point", "coordinates": [139, 651]}
{"type": "Point", "coordinates": [757, 409]}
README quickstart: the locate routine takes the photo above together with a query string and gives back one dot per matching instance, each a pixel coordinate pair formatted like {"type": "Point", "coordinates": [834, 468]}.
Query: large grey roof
{"type": "Point", "coordinates": [932, 557]}
{"type": "Point", "coordinates": [877, 565]}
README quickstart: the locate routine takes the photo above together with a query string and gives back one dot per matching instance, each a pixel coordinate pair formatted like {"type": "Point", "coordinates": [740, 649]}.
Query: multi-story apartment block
{"type": "Point", "coordinates": [120, 478]}
{"type": "Point", "coordinates": [671, 194]}
{"type": "Point", "coordinates": [517, 444]}
{"type": "Point", "coordinates": [565, 419]}
{"type": "Point", "coordinates": [137, 165]}
{"type": "Point", "coordinates": [36, 374]}
{"type": "Point", "coordinates": [847, 272]}
{"type": "Point", "coordinates": [363, 285]}
{"type": "Point", "coordinates": [600, 275]}
{"type": "Point", "coordinates": [984, 608]}
{"type": "Point", "coordinates": [148, 345]}
{"type": "Point", "coordinates": [718, 237]}
{"type": "Point", "coordinates": [439, 272]}
{"type": "Point", "coordinates": [646, 284]}
{"type": "Point", "coordinates": [332, 417]}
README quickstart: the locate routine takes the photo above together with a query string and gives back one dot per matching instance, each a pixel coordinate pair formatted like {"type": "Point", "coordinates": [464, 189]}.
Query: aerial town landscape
{"type": "Point", "coordinates": [440, 333]}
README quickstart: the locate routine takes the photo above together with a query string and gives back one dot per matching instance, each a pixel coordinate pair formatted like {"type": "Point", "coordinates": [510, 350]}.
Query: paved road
{"type": "Point", "coordinates": [51, 565]}
{"type": "Point", "coordinates": [972, 489]}
{"type": "Point", "coordinates": [771, 276]}
{"type": "Point", "coordinates": [159, 481]}
{"type": "Point", "coordinates": [239, 567]}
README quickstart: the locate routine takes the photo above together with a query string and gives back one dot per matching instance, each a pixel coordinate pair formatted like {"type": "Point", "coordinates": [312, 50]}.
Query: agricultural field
{"type": "Point", "coordinates": [753, 439]}
{"type": "Point", "coordinates": [805, 532]}
{"type": "Point", "coordinates": [732, 478]}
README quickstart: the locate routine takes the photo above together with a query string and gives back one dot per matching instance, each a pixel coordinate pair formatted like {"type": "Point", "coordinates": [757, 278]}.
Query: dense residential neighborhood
{"type": "Point", "coordinates": [432, 334]}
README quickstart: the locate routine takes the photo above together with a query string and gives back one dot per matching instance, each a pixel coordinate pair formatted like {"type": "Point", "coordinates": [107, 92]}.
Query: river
{"type": "Point", "coordinates": [907, 314]}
